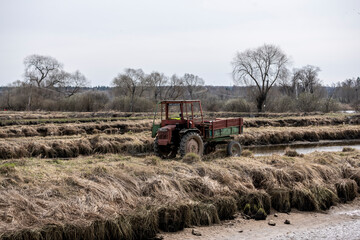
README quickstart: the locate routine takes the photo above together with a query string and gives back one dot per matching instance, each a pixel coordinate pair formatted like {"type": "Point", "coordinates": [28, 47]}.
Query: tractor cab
{"type": "Point", "coordinates": [177, 119]}
{"type": "Point", "coordinates": [184, 114]}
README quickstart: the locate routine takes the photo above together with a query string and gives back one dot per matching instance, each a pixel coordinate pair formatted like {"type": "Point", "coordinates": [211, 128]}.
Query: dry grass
{"type": "Point", "coordinates": [111, 196]}
{"type": "Point", "coordinates": [292, 153]}
{"type": "Point", "coordinates": [133, 143]}
{"type": "Point", "coordinates": [43, 130]}
{"type": "Point", "coordinates": [272, 135]}
{"type": "Point", "coordinates": [191, 158]}
{"type": "Point", "coordinates": [59, 147]}
{"type": "Point", "coordinates": [348, 149]}
{"type": "Point", "coordinates": [324, 120]}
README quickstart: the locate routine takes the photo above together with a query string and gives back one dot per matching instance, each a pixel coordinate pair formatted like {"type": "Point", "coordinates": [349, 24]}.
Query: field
{"type": "Point", "coordinates": [93, 175]}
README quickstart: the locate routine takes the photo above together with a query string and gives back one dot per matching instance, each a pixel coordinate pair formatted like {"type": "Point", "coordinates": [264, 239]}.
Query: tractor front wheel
{"type": "Point", "coordinates": [191, 142]}
{"type": "Point", "coordinates": [233, 149]}
{"type": "Point", "coordinates": [167, 151]}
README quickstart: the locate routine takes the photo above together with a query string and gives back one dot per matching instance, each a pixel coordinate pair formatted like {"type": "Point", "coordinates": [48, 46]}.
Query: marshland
{"type": "Point", "coordinates": [100, 178]}
{"type": "Point", "coordinates": [208, 119]}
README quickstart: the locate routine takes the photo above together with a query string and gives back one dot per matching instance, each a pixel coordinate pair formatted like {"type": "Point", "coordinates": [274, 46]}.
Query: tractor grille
{"type": "Point", "coordinates": [163, 135]}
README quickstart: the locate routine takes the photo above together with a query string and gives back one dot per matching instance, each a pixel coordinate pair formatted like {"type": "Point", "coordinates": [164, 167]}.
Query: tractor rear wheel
{"type": "Point", "coordinates": [191, 142]}
{"type": "Point", "coordinates": [233, 149]}
{"type": "Point", "coordinates": [167, 151]}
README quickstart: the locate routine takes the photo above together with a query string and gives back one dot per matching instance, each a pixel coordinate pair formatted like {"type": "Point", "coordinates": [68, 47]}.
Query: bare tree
{"type": "Point", "coordinates": [157, 81]}
{"type": "Point", "coordinates": [46, 74]}
{"type": "Point", "coordinates": [175, 88]}
{"type": "Point", "coordinates": [41, 70]}
{"type": "Point", "coordinates": [131, 83]}
{"type": "Point", "coordinates": [261, 67]}
{"type": "Point", "coordinates": [348, 92]}
{"type": "Point", "coordinates": [306, 79]}
{"type": "Point", "coordinates": [72, 83]}
{"type": "Point", "coordinates": [193, 84]}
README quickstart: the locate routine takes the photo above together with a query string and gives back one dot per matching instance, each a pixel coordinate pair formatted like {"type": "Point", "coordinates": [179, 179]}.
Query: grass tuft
{"type": "Point", "coordinates": [191, 158]}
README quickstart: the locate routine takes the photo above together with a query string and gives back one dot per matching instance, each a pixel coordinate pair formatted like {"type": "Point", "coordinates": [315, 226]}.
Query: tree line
{"type": "Point", "coordinates": [262, 82]}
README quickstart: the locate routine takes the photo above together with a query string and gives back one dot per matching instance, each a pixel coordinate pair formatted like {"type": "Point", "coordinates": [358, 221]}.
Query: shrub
{"type": "Point", "coordinates": [237, 105]}
{"type": "Point", "coordinates": [123, 104]}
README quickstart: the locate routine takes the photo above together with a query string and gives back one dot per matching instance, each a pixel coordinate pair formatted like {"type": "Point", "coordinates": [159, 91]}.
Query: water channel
{"type": "Point", "coordinates": [304, 147]}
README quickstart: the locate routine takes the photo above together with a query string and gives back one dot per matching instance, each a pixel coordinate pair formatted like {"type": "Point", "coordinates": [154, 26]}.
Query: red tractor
{"type": "Point", "coordinates": [183, 129]}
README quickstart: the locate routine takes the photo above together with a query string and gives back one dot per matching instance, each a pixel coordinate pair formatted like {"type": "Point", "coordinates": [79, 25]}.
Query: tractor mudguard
{"type": "Point", "coordinates": [186, 130]}
{"type": "Point", "coordinates": [154, 130]}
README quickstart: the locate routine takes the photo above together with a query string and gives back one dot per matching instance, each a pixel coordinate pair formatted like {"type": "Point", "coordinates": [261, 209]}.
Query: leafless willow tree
{"type": "Point", "coordinates": [175, 88]}
{"type": "Point", "coordinates": [193, 84]}
{"type": "Point", "coordinates": [261, 67]}
{"type": "Point", "coordinates": [348, 92]}
{"type": "Point", "coordinates": [306, 79]}
{"type": "Point", "coordinates": [157, 81]}
{"type": "Point", "coordinates": [131, 83]}
{"type": "Point", "coordinates": [47, 75]}
{"type": "Point", "coordinates": [42, 71]}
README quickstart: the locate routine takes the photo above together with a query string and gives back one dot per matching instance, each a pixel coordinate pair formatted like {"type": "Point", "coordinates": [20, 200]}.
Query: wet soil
{"type": "Point", "coordinates": [340, 222]}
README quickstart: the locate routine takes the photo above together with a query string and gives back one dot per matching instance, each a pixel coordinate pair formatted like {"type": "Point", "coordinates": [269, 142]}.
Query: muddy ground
{"type": "Point", "coordinates": [340, 222]}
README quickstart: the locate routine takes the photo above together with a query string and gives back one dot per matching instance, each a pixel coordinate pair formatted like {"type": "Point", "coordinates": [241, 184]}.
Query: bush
{"type": "Point", "coordinates": [237, 105]}
{"type": "Point", "coordinates": [329, 105]}
{"type": "Point", "coordinates": [212, 104]}
{"type": "Point", "coordinates": [282, 104]}
{"type": "Point", "coordinates": [88, 101]}
{"type": "Point", "coordinates": [308, 102]}
{"type": "Point", "coordinates": [123, 104]}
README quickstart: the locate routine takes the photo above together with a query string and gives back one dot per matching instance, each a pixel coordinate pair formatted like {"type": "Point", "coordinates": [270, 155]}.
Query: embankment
{"type": "Point", "coordinates": [272, 135]}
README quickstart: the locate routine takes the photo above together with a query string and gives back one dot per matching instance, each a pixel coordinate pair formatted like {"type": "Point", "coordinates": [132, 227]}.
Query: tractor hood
{"type": "Point", "coordinates": [164, 134]}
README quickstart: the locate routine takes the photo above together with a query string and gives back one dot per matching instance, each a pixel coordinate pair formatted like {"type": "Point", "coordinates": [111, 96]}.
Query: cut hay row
{"type": "Point", "coordinates": [118, 197]}
{"type": "Point", "coordinates": [65, 120]}
{"type": "Point", "coordinates": [257, 120]}
{"type": "Point", "coordinates": [36, 115]}
{"type": "Point", "coordinates": [134, 143]}
{"type": "Point", "coordinates": [265, 136]}
{"type": "Point", "coordinates": [302, 122]}
{"type": "Point", "coordinates": [117, 127]}
{"type": "Point", "coordinates": [74, 147]}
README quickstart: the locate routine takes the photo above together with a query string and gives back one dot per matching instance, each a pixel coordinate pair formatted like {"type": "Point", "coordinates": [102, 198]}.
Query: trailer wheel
{"type": "Point", "coordinates": [233, 149]}
{"type": "Point", "coordinates": [168, 151]}
{"type": "Point", "coordinates": [191, 142]}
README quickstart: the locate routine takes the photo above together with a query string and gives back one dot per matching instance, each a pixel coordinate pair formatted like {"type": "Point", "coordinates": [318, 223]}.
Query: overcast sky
{"type": "Point", "coordinates": [101, 38]}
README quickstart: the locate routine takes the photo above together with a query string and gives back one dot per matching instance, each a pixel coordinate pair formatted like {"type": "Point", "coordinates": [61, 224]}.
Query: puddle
{"type": "Point", "coordinates": [352, 213]}
{"type": "Point", "coordinates": [304, 148]}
